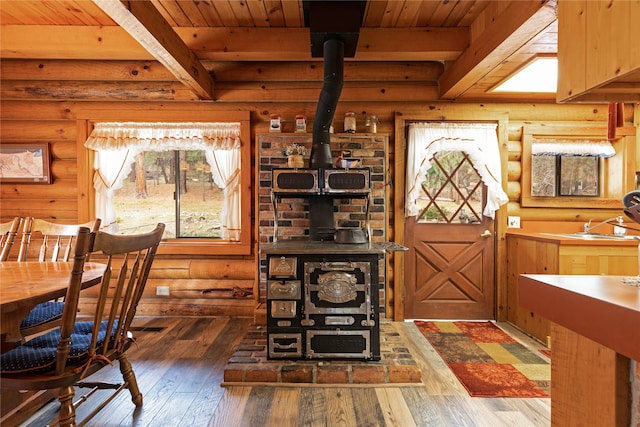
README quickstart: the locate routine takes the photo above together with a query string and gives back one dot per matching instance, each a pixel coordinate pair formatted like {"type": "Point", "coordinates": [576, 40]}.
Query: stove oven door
{"type": "Point", "coordinates": [340, 316]}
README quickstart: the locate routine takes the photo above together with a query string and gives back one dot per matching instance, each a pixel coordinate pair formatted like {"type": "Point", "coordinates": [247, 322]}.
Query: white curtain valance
{"type": "Point", "coordinates": [478, 140]}
{"type": "Point", "coordinates": [572, 148]}
{"type": "Point", "coordinates": [167, 136]}
{"type": "Point", "coordinates": [117, 145]}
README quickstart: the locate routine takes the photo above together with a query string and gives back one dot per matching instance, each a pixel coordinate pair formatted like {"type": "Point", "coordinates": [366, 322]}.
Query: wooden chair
{"type": "Point", "coordinates": [57, 244]}
{"type": "Point", "coordinates": [57, 239]}
{"type": "Point", "coordinates": [8, 233]}
{"type": "Point", "coordinates": [79, 349]}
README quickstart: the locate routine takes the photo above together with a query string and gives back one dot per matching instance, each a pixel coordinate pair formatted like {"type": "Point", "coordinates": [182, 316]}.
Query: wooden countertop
{"type": "Point", "coordinates": [601, 308]}
{"type": "Point", "coordinates": [559, 238]}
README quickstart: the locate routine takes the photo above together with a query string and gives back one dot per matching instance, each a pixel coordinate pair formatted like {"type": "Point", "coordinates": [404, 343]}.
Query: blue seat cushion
{"type": "Point", "coordinates": [39, 353]}
{"type": "Point", "coordinates": [43, 313]}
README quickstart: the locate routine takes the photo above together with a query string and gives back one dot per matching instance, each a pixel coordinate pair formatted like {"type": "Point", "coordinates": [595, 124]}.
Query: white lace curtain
{"type": "Point", "coordinates": [558, 147]}
{"type": "Point", "coordinates": [478, 140]}
{"type": "Point", "coordinates": [117, 145]}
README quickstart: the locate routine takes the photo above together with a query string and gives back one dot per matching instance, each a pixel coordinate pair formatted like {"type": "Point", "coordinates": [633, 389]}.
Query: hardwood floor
{"type": "Point", "coordinates": [179, 363]}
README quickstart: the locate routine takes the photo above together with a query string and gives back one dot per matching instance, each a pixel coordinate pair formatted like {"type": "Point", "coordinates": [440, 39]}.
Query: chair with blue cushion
{"type": "Point", "coordinates": [56, 244]}
{"type": "Point", "coordinates": [62, 358]}
{"type": "Point", "coordinates": [8, 233]}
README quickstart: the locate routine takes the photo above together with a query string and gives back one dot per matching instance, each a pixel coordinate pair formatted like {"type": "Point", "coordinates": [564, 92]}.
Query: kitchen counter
{"type": "Point", "coordinates": [594, 334]}
{"type": "Point", "coordinates": [603, 308]}
{"type": "Point", "coordinates": [564, 239]}
{"type": "Point", "coordinates": [547, 253]}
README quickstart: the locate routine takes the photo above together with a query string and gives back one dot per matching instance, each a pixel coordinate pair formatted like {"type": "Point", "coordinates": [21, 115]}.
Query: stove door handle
{"type": "Point", "coordinates": [284, 347]}
{"type": "Point", "coordinates": [339, 266]}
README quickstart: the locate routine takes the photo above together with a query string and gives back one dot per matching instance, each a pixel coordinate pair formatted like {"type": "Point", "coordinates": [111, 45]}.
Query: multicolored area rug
{"type": "Point", "coordinates": [487, 361]}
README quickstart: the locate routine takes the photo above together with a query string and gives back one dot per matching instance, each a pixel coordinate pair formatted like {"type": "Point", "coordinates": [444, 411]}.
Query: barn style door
{"type": "Point", "coordinates": [449, 268]}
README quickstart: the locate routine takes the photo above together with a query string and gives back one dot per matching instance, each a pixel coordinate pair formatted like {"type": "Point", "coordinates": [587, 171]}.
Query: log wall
{"type": "Point", "coordinates": [42, 101]}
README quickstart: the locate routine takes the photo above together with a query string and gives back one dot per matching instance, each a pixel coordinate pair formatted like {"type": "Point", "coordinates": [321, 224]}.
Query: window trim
{"type": "Point", "coordinates": [184, 246]}
{"type": "Point", "coordinates": [613, 172]}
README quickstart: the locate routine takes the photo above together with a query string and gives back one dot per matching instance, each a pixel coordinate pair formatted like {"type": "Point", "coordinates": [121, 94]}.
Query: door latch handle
{"type": "Point", "coordinates": [485, 234]}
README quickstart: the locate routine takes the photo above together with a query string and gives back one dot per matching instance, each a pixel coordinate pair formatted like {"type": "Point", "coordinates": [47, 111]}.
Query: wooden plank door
{"type": "Point", "coordinates": [449, 268]}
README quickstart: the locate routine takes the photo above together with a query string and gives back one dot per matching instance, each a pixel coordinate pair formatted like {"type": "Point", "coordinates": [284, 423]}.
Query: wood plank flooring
{"type": "Point", "coordinates": [179, 363]}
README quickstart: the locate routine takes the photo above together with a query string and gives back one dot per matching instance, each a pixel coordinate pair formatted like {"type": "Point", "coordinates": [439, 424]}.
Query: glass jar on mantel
{"type": "Point", "coordinates": [349, 122]}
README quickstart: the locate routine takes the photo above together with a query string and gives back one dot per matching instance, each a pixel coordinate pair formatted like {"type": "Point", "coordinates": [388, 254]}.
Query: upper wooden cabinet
{"type": "Point", "coordinates": [598, 51]}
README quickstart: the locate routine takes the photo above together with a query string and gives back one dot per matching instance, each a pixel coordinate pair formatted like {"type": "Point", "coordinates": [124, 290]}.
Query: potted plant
{"type": "Point", "coordinates": [295, 155]}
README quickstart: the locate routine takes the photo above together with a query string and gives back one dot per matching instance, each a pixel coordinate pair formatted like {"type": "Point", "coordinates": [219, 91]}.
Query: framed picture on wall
{"type": "Point", "coordinates": [25, 163]}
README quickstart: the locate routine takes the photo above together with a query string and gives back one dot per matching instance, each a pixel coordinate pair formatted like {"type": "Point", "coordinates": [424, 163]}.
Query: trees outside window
{"type": "Point", "coordinates": [169, 172]}
{"type": "Point", "coordinates": [185, 198]}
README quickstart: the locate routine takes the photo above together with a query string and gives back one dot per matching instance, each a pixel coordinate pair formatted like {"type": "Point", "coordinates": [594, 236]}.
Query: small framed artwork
{"type": "Point", "coordinates": [579, 176]}
{"type": "Point", "coordinates": [25, 163]}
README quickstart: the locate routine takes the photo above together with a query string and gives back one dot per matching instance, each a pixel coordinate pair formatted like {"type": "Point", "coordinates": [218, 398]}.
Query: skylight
{"type": "Point", "coordinates": [539, 75]}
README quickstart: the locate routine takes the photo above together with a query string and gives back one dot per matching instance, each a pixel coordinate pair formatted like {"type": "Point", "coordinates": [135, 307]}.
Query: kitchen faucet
{"type": "Point", "coordinates": [588, 228]}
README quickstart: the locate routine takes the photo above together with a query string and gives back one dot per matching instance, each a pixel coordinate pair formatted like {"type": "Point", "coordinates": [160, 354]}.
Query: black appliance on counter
{"type": "Point", "coordinates": [322, 300]}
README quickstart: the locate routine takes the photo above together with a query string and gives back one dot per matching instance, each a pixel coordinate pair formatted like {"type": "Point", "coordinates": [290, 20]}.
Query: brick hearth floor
{"type": "Point", "coordinates": [249, 364]}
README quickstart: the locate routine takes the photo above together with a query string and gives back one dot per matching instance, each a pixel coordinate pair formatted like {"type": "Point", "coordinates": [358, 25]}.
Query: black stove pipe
{"type": "Point", "coordinates": [321, 225]}
{"type": "Point", "coordinates": [333, 50]}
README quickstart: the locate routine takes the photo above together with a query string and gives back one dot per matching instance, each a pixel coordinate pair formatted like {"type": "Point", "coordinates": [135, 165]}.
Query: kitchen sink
{"type": "Point", "coordinates": [592, 236]}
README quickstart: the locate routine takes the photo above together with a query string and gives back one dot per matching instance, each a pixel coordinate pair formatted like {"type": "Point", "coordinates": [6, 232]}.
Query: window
{"type": "Point", "coordinates": [574, 166]}
{"type": "Point", "coordinates": [173, 187]}
{"type": "Point", "coordinates": [452, 190]}
{"type": "Point", "coordinates": [187, 175]}
{"type": "Point", "coordinates": [557, 175]}
{"type": "Point", "coordinates": [478, 142]}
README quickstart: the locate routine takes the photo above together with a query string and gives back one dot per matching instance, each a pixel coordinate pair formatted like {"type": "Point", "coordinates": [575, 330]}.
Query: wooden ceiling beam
{"type": "Point", "coordinates": [147, 26]}
{"type": "Point", "coordinates": [226, 91]}
{"type": "Point", "coordinates": [507, 31]}
{"type": "Point", "coordinates": [228, 44]}
{"type": "Point", "coordinates": [307, 71]}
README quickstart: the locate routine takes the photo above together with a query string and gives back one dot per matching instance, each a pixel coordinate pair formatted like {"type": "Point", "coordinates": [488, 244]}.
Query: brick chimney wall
{"type": "Point", "coordinates": [293, 215]}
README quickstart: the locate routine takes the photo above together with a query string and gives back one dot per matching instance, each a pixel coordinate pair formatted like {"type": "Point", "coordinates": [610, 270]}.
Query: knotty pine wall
{"type": "Point", "coordinates": [50, 107]}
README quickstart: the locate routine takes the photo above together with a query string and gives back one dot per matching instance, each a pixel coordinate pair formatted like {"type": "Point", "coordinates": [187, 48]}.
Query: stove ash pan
{"type": "Point", "coordinates": [322, 181]}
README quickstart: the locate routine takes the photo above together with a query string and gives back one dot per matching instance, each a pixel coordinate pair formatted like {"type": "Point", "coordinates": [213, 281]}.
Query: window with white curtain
{"type": "Point", "coordinates": [186, 175]}
{"type": "Point", "coordinates": [478, 140]}
{"type": "Point", "coordinates": [567, 167]}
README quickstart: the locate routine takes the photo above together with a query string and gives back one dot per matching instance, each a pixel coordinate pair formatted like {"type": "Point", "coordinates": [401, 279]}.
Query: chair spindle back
{"type": "Point", "coordinates": [129, 257]}
{"type": "Point", "coordinates": [72, 297]}
{"type": "Point", "coordinates": [58, 240]}
{"type": "Point", "coordinates": [8, 233]}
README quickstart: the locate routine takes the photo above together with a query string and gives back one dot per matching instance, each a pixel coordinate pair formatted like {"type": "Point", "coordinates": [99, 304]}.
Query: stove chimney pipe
{"type": "Point", "coordinates": [333, 49]}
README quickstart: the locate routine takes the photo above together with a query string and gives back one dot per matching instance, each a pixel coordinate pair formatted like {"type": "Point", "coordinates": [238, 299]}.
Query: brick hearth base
{"type": "Point", "coordinates": [249, 364]}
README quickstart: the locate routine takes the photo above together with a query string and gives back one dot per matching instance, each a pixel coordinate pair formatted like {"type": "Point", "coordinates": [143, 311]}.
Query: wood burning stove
{"type": "Point", "coordinates": [322, 295]}
{"type": "Point", "coordinates": [322, 300]}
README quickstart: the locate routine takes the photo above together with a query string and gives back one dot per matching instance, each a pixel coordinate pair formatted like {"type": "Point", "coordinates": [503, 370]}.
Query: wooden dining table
{"type": "Point", "coordinates": [23, 285]}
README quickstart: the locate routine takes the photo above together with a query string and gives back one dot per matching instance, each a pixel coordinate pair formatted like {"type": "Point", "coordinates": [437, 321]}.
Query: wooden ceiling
{"type": "Point", "coordinates": [466, 46]}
